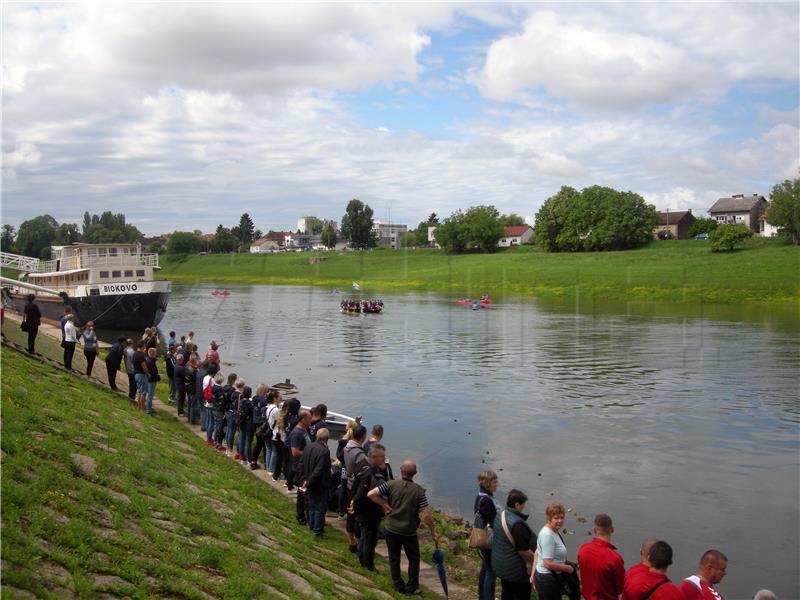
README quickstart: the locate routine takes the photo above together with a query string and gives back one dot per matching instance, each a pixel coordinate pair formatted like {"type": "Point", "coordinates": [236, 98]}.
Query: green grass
{"type": "Point", "coordinates": [161, 516]}
{"type": "Point", "coordinates": [682, 271]}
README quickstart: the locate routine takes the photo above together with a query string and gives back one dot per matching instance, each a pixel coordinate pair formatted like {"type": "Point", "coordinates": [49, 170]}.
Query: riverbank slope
{"type": "Point", "coordinates": [100, 499]}
{"type": "Point", "coordinates": [675, 271]}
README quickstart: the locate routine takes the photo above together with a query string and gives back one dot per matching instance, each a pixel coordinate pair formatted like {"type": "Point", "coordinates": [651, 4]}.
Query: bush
{"type": "Point", "coordinates": [727, 237]}
{"type": "Point", "coordinates": [702, 226]}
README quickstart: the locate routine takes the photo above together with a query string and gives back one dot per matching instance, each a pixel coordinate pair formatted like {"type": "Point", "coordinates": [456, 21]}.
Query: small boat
{"type": "Point", "coordinates": [361, 306]}
{"type": "Point", "coordinates": [223, 293]}
{"type": "Point", "coordinates": [287, 388]}
{"type": "Point", "coordinates": [337, 422]}
{"type": "Point", "coordinates": [464, 302]}
{"type": "Point", "coordinates": [486, 300]}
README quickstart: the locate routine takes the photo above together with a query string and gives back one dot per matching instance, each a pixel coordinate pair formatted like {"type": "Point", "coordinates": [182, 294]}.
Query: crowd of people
{"type": "Point", "coordinates": [264, 431]}
{"type": "Point", "coordinates": [524, 560]}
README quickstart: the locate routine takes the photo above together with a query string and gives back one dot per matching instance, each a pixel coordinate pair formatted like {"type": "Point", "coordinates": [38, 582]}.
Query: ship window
{"type": "Point", "coordinates": [101, 251]}
{"type": "Point", "coordinates": [116, 274]}
{"type": "Point", "coordinates": [140, 272]}
{"type": "Point", "coordinates": [103, 274]}
{"type": "Point", "coordinates": [92, 251]}
{"type": "Point", "coordinates": [128, 273]}
{"type": "Point", "coordinates": [112, 251]}
{"type": "Point", "coordinates": [94, 292]}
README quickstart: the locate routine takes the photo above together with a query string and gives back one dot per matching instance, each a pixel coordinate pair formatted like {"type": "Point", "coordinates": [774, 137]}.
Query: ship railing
{"type": "Point", "coordinates": [26, 264]}
{"type": "Point", "coordinates": [69, 263]}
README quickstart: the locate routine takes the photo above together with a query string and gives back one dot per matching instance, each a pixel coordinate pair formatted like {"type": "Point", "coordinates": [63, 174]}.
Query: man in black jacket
{"type": "Point", "coordinates": [31, 320]}
{"type": "Point", "coordinates": [315, 467]}
{"type": "Point", "coordinates": [114, 361]}
{"type": "Point", "coordinates": [368, 514]}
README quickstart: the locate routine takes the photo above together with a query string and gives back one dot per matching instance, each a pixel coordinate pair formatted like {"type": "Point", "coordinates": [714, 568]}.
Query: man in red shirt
{"type": "Point", "coordinates": [601, 567]}
{"type": "Point", "coordinates": [652, 583]}
{"type": "Point", "coordinates": [712, 569]}
{"type": "Point", "coordinates": [642, 565]}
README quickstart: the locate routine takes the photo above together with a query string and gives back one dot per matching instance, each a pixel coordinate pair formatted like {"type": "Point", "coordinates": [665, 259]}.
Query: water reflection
{"type": "Point", "coordinates": [679, 421]}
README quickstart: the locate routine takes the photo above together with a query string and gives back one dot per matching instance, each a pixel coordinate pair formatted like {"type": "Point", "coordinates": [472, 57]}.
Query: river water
{"type": "Point", "coordinates": [680, 422]}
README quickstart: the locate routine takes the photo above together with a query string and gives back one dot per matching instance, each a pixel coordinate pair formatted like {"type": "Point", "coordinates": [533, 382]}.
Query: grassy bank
{"type": "Point", "coordinates": [99, 499]}
{"type": "Point", "coordinates": [765, 270]}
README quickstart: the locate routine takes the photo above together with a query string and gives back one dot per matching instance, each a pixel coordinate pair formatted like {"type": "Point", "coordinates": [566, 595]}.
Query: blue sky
{"type": "Point", "coordinates": [184, 116]}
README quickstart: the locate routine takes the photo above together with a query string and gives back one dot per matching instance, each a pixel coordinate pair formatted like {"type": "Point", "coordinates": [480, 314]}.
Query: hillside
{"type": "Point", "coordinates": [101, 501]}
{"type": "Point", "coordinates": [765, 270]}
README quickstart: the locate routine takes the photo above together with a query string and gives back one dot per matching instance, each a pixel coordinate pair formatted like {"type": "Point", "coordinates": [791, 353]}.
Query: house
{"type": "Point", "coordinates": [432, 243]}
{"type": "Point", "coordinates": [389, 234]}
{"type": "Point", "coordinates": [516, 235]}
{"type": "Point", "coordinates": [673, 225]}
{"type": "Point", "coordinates": [265, 244]}
{"type": "Point", "coordinates": [766, 229]}
{"type": "Point", "coordinates": [739, 209]}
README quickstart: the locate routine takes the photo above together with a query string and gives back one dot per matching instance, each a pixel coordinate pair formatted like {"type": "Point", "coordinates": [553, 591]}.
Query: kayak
{"type": "Point", "coordinates": [216, 293]}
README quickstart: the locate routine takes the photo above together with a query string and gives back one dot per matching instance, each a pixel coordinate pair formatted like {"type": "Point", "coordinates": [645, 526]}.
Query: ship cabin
{"type": "Point", "coordinates": [93, 264]}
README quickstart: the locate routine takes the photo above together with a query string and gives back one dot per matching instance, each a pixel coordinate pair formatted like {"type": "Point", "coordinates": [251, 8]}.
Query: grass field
{"type": "Point", "coordinates": [101, 501]}
{"type": "Point", "coordinates": [765, 270]}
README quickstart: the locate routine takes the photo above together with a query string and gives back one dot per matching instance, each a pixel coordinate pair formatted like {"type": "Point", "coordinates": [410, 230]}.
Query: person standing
{"type": "Point", "coordinates": [652, 582]}
{"type": "Point", "coordinates": [355, 461]}
{"type": "Point", "coordinates": [552, 554]}
{"type": "Point", "coordinates": [403, 501]}
{"type": "Point", "coordinates": [114, 361]}
{"type": "Point", "coordinates": [89, 340]}
{"type": "Point", "coordinates": [169, 367]}
{"type": "Point", "coordinates": [713, 565]}
{"type": "Point", "coordinates": [31, 319]}
{"type": "Point", "coordinates": [486, 508]}
{"type": "Point", "coordinates": [601, 567]}
{"type": "Point", "coordinates": [171, 341]}
{"type": "Point", "coordinates": [513, 544]}
{"type": "Point", "coordinates": [70, 340]}
{"type": "Point", "coordinates": [368, 514]}
{"type": "Point", "coordinates": [374, 437]}
{"type": "Point", "coordinates": [315, 466]}
{"type": "Point", "coordinates": [153, 378]}
{"type": "Point", "coordinates": [62, 321]}
{"type": "Point", "coordinates": [179, 376]}
{"type": "Point", "coordinates": [190, 380]}
{"type": "Point", "coordinates": [141, 374]}
{"type": "Point", "coordinates": [130, 369]}
{"type": "Point", "coordinates": [297, 441]}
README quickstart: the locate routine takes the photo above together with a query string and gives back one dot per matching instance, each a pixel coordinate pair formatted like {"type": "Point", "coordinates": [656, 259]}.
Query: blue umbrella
{"type": "Point", "coordinates": [438, 560]}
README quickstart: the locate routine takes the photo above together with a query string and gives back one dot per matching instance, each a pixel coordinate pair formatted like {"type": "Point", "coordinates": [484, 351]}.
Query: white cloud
{"type": "Point", "coordinates": [628, 56]}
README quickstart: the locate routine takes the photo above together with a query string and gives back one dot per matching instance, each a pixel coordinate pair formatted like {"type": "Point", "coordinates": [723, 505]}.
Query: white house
{"type": "Point", "coordinates": [264, 244]}
{"type": "Point", "coordinates": [516, 235]}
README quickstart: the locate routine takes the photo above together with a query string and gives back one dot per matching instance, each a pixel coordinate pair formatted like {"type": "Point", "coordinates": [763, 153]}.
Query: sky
{"type": "Point", "coordinates": [185, 115]}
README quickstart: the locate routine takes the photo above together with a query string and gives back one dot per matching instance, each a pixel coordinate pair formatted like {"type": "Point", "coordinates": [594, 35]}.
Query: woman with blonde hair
{"type": "Point", "coordinates": [552, 551]}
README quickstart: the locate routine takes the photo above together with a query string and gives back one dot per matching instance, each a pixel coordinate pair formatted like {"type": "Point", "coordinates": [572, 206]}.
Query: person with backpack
{"type": "Point", "coordinates": [245, 409]}
{"type": "Point", "coordinates": [227, 429]}
{"type": "Point", "coordinates": [216, 414]}
{"type": "Point", "coordinates": [652, 583]}
{"type": "Point", "coordinates": [260, 403]}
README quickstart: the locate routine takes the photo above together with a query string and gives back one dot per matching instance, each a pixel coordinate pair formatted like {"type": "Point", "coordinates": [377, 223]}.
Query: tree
{"type": "Point", "coordinates": [484, 228]}
{"type": "Point", "coordinates": [784, 208]}
{"type": "Point", "coordinates": [357, 225]}
{"type": "Point", "coordinates": [224, 240]}
{"type": "Point", "coordinates": [727, 237]}
{"type": "Point", "coordinates": [154, 247]}
{"type": "Point", "coordinates": [108, 228]}
{"type": "Point", "coordinates": [7, 238]}
{"type": "Point", "coordinates": [433, 219]}
{"type": "Point", "coordinates": [314, 226]}
{"type": "Point", "coordinates": [36, 235]}
{"type": "Point", "coordinates": [245, 230]}
{"type": "Point", "coordinates": [66, 234]}
{"type": "Point", "coordinates": [418, 237]}
{"type": "Point", "coordinates": [451, 234]}
{"type": "Point", "coordinates": [702, 226]}
{"type": "Point", "coordinates": [596, 218]}
{"type": "Point", "coordinates": [329, 236]}
{"type": "Point", "coordinates": [512, 220]}
{"type": "Point", "coordinates": [184, 242]}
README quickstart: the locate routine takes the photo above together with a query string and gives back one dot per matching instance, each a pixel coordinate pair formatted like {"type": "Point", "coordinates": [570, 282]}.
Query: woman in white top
{"type": "Point", "coordinates": [552, 555]}
{"type": "Point", "coordinates": [70, 340]}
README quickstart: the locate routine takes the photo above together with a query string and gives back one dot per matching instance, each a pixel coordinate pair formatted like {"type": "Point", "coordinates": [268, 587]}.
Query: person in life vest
{"type": "Point", "coordinates": [712, 568]}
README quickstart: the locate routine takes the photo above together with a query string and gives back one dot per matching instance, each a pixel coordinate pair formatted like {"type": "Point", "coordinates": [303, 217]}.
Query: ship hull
{"type": "Point", "coordinates": [110, 311]}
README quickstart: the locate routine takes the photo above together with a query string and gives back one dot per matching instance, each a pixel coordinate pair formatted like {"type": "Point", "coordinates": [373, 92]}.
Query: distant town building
{"type": "Point", "coordinates": [432, 236]}
{"type": "Point", "coordinates": [766, 229]}
{"type": "Point", "coordinates": [674, 225]}
{"type": "Point", "coordinates": [389, 234]}
{"type": "Point", "coordinates": [739, 210]}
{"type": "Point", "coordinates": [265, 244]}
{"type": "Point", "coordinates": [516, 235]}
{"type": "Point", "coordinates": [302, 223]}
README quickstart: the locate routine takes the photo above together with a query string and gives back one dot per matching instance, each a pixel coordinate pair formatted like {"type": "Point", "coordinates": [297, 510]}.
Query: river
{"type": "Point", "coordinates": [680, 422]}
